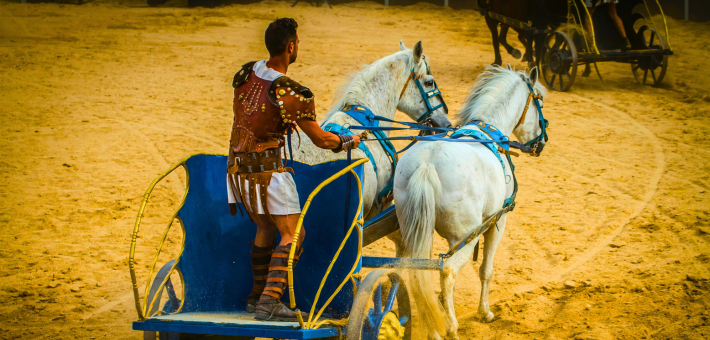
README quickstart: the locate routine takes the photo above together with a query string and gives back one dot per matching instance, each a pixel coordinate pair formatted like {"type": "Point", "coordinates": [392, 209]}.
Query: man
{"type": "Point", "coordinates": [267, 104]}
{"type": "Point", "coordinates": [611, 10]}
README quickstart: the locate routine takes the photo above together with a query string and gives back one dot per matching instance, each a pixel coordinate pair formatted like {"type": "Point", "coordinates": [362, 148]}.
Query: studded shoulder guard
{"type": "Point", "coordinates": [294, 100]}
{"type": "Point", "coordinates": [242, 76]}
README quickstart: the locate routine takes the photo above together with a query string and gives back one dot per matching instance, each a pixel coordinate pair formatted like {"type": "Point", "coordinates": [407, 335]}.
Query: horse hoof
{"type": "Point", "coordinates": [489, 317]}
{"type": "Point", "coordinates": [586, 73]}
{"type": "Point", "coordinates": [516, 53]}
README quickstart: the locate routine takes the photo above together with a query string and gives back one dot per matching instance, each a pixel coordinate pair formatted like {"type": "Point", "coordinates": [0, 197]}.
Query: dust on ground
{"type": "Point", "coordinates": [609, 239]}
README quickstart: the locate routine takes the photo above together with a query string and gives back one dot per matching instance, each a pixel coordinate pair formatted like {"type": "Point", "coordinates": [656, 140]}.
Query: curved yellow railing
{"type": "Point", "coordinates": [665, 23]}
{"type": "Point", "coordinates": [142, 311]}
{"type": "Point", "coordinates": [591, 25]}
{"type": "Point", "coordinates": [312, 323]}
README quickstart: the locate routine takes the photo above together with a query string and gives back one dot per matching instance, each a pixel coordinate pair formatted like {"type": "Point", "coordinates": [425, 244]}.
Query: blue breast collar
{"type": "Point", "coordinates": [486, 131]}
{"type": "Point", "coordinates": [366, 118]}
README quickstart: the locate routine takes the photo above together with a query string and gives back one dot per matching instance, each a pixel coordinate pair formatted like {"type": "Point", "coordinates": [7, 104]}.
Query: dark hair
{"type": "Point", "coordinates": [279, 33]}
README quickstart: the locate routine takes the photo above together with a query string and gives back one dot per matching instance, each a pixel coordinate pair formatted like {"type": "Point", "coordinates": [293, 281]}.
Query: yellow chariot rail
{"type": "Point", "coordinates": [148, 305]}
{"type": "Point", "coordinates": [313, 323]}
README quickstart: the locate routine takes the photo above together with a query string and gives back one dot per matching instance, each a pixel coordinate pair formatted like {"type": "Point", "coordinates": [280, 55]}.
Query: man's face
{"type": "Point", "coordinates": [294, 54]}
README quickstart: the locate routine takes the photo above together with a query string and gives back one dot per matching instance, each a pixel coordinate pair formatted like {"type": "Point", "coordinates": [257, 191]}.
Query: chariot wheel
{"type": "Point", "coordinates": [381, 309]}
{"type": "Point", "coordinates": [559, 61]}
{"type": "Point", "coordinates": [649, 70]}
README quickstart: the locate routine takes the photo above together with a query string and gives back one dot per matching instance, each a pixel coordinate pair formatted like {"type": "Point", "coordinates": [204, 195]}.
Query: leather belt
{"type": "Point", "coordinates": [267, 160]}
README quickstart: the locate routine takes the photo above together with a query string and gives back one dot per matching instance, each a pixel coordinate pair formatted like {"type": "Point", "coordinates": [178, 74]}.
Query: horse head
{"type": "Point", "coordinates": [420, 98]}
{"type": "Point", "coordinates": [531, 127]}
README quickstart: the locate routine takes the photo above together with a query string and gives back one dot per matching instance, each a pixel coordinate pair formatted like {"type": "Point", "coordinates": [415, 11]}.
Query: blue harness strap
{"type": "Point", "coordinates": [490, 132]}
{"type": "Point", "coordinates": [486, 131]}
{"type": "Point", "coordinates": [368, 119]}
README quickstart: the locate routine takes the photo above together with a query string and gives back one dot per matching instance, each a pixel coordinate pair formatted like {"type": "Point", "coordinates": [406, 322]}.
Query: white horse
{"type": "Point", "coordinates": [453, 187]}
{"type": "Point", "coordinates": [385, 86]}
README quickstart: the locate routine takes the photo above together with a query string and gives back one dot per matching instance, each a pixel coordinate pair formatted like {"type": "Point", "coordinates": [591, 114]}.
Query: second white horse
{"type": "Point", "coordinates": [454, 187]}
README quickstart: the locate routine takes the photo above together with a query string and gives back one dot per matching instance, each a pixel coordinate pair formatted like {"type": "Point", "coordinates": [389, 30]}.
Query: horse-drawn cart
{"type": "Point", "coordinates": [570, 44]}
{"type": "Point", "coordinates": [214, 268]}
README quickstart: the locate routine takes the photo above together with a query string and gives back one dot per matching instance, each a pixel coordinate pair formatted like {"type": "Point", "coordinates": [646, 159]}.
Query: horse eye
{"type": "Point", "coordinates": [429, 83]}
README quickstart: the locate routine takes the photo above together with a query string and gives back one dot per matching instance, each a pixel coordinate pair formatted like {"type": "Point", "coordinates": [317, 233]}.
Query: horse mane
{"type": "Point", "coordinates": [485, 97]}
{"type": "Point", "coordinates": [357, 83]}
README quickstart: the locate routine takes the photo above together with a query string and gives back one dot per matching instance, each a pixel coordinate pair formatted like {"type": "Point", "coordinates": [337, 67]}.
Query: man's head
{"type": "Point", "coordinates": [281, 38]}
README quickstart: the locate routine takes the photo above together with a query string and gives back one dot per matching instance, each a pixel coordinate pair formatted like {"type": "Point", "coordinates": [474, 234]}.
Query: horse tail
{"type": "Point", "coordinates": [417, 223]}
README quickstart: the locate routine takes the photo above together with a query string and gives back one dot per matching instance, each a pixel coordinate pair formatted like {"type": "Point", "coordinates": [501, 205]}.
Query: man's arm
{"type": "Point", "coordinates": [321, 138]}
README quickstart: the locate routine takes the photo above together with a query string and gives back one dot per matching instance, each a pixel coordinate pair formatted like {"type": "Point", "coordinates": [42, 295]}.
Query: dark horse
{"type": "Point", "coordinates": [535, 11]}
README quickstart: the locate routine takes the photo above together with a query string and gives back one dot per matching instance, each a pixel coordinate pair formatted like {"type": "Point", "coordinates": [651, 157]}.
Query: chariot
{"type": "Point", "coordinates": [571, 45]}
{"type": "Point", "coordinates": [329, 282]}
{"type": "Point", "coordinates": [568, 44]}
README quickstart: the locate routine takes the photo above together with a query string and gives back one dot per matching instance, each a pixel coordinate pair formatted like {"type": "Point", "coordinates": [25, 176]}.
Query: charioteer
{"type": "Point", "coordinates": [268, 105]}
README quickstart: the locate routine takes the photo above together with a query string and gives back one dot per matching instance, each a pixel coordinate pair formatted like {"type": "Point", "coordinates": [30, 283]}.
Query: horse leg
{"type": "Point", "coordinates": [539, 40]}
{"type": "Point", "coordinates": [485, 272]}
{"type": "Point", "coordinates": [448, 277]}
{"type": "Point", "coordinates": [493, 27]}
{"type": "Point", "coordinates": [396, 238]}
{"type": "Point", "coordinates": [526, 39]}
{"type": "Point", "coordinates": [587, 70]}
{"type": "Point", "coordinates": [503, 41]}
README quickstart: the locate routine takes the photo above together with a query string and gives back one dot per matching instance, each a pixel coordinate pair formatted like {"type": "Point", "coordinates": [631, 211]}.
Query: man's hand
{"type": "Point", "coordinates": [356, 142]}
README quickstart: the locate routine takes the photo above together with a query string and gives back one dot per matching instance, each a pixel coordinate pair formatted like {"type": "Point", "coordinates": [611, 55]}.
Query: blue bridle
{"type": "Point", "coordinates": [426, 95]}
{"type": "Point", "coordinates": [537, 143]}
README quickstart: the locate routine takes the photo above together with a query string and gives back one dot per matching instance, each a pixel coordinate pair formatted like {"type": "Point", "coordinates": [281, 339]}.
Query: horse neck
{"type": "Point", "coordinates": [378, 94]}
{"type": "Point", "coordinates": [506, 117]}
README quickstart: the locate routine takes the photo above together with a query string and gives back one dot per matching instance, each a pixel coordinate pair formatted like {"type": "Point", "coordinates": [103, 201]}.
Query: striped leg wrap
{"type": "Point", "coordinates": [260, 259]}
{"type": "Point", "coordinates": [277, 279]}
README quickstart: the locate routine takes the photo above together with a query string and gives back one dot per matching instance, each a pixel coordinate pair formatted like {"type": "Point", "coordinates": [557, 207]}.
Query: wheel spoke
{"type": "Point", "coordinates": [378, 299]}
{"type": "Point", "coordinates": [369, 323]}
{"type": "Point", "coordinates": [391, 296]}
{"type": "Point", "coordinates": [653, 74]}
{"type": "Point", "coordinates": [558, 42]}
{"type": "Point", "coordinates": [645, 74]}
{"type": "Point", "coordinates": [562, 83]}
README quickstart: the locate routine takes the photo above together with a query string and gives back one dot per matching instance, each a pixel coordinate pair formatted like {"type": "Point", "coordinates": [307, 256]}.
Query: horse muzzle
{"type": "Point", "coordinates": [537, 148]}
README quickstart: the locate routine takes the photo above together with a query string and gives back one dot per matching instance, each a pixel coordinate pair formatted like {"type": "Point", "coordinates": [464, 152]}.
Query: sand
{"type": "Point", "coordinates": [609, 239]}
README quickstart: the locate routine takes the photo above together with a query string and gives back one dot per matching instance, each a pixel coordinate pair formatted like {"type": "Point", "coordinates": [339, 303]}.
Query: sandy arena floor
{"type": "Point", "coordinates": [610, 239]}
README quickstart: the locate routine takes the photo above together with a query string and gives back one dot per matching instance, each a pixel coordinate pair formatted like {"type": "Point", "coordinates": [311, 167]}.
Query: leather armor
{"type": "Point", "coordinates": [263, 113]}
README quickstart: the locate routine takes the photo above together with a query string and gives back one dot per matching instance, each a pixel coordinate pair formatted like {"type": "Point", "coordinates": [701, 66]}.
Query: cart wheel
{"type": "Point", "coordinates": [656, 65]}
{"type": "Point", "coordinates": [381, 308]}
{"type": "Point", "coordinates": [559, 61]}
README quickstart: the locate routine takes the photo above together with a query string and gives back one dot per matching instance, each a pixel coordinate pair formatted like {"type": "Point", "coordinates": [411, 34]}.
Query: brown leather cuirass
{"type": "Point", "coordinates": [263, 112]}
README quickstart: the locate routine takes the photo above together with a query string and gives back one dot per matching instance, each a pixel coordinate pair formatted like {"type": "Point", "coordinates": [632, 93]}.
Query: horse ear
{"type": "Point", "coordinates": [418, 51]}
{"type": "Point", "coordinates": [534, 75]}
{"type": "Point", "coordinates": [401, 45]}
{"type": "Point", "coordinates": [509, 68]}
